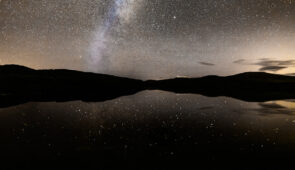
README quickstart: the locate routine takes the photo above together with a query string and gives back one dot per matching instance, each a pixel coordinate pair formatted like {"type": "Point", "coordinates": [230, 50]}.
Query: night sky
{"type": "Point", "coordinates": [150, 39]}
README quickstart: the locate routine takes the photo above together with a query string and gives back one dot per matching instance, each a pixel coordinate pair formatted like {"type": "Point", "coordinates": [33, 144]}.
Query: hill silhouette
{"type": "Point", "coordinates": [20, 84]}
{"type": "Point", "coordinates": [249, 86]}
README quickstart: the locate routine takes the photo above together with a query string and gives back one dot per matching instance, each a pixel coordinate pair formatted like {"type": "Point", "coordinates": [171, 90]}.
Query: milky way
{"type": "Point", "coordinates": [119, 13]}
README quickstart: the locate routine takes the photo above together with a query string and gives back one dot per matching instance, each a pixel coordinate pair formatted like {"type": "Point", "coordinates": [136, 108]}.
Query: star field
{"type": "Point", "coordinates": [149, 39]}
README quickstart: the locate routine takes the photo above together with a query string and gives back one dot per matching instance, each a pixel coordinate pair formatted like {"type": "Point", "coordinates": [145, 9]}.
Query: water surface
{"type": "Point", "coordinates": [150, 130]}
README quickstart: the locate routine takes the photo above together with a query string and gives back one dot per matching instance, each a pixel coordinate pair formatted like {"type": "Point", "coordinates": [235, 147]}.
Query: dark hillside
{"type": "Point", "coordinates": [20, 84]}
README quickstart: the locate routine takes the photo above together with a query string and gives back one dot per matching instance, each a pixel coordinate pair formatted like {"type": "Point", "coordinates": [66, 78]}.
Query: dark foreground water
{"type": "Point", "coordinates": [149, 130]}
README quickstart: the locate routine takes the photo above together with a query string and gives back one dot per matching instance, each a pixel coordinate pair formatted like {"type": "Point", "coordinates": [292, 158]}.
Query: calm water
{"type": "Point", "coordinates": [149, 130]}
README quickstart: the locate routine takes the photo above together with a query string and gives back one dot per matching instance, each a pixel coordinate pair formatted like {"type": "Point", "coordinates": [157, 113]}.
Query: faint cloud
{"type": "Point", "coordinates": [272, 68]}
{"type": "Point", "coordinates": [240, 61]}
{"type": "Point", "coordinates": [206, 64]}
{"type": "Point", "coordinates": [270, 65]}
{"type": "Point", "coordinates": [267, 64]}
